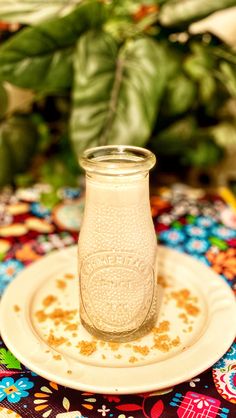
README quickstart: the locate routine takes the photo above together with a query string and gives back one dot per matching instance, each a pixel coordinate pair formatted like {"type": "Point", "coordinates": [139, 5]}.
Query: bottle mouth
{"type": "Point", "coordinates": [117, 160]}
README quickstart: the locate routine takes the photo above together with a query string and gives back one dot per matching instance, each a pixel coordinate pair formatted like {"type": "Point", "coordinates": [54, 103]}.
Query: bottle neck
{"type": "Point", "coordinates": [117, 190]}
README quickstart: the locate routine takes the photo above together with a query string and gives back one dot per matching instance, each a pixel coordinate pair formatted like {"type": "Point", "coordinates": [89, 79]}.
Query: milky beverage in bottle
{"type": "Point", "coordinates": [117, 254]}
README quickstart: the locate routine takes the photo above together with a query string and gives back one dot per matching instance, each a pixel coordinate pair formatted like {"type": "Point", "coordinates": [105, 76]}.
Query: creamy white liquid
{"type": "Point", "coordinates": [117, 258]}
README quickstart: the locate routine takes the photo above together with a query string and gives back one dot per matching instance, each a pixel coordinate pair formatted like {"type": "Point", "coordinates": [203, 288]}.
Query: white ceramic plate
{"type": "Point", "coordinates": [39, 323]}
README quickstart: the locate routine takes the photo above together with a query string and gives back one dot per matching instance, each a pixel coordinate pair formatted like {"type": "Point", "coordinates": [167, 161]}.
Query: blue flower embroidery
{"type": "Point", "coordinates": [14, 391]}
{"type": "Point", "coordinates": [220, 364]}
{"type": "Point", "coordinates": [232, 380]}
{"type": "Point", "coordinates": [205, 222]}
{"type": "Point", "coordinates": [223, 232]}
{"type": "Point", "coordinates": [196, 246]}
{"type": "Point", "coordinates": [39, 210]}
{"type": "Point", "coordinates": [8, 270]}
{"type": "Point", "coordinates": [172, 237]}
{"type": "Point", "coordinates": [195, 231]}
{"type": "Point", "coordinates": [70, 193]}
{"type": "Point", "coordinates": [231, 353]}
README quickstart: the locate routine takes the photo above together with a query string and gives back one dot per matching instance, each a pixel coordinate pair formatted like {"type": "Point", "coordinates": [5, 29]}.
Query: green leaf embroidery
{"type": "Point", "coordinates": [117, 90]}
{"type": "Point", "coordinates": [9, 360]}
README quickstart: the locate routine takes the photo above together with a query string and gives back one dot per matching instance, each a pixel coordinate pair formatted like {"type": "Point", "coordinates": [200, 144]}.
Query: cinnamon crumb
{"type": "Point", "coordinates": [133, 359]}
{"type": "Point", "coordinates": [162, 343]}
{"type": "Point", "coordinates": [57, 357]}
{"type": "Point", "coordinates": [61, 315]}
{"type": "Point", "coordinates": [49, 300]}
{"type": "Point", "coordinates": [103, 357]}
{"type": "Point", "coordinates": [144, 350]}
{"type": "Point", "coordinates": [162, 346]}
{"type": "Point", "coordinates": [58, 316]}
{"type": "Point", "coordinates": [69, 372]}
{"type": "Point", "coordinates": [164, 326]}
{"type": "Point", "coordinates": [118, 356]}
{"type": "Point", "coordinates": [55, 341]}
{"type": "Point", "coordinates": [16, 308]}
{"type": "Point", "coordinates": [74, 334]}
{"type": "Point", "coordinates": [162, 281]}
{"type": "Point", "coordinates": [176, 342]}
{"type": "Point", "coordinates": [191, 309]}
{"type": "Point", "coordinates": [163, 337]}
{"type": "Point", "coordinates": [41, 316]}
{"type": "Point", "coordinates": [184, 318]}
{"type": "Point", "coordinates": [69, 276]}
{"type": "Point", "coordinates": [71, 327]}
{"type": "Point", "coordinates": [61, 284]}
{"type": "Point", "coordinates": [86, 348]}
{"type": "Point", "coordinates": [113, 346]}
{"type": "Point", "coordinates": [185, 301]}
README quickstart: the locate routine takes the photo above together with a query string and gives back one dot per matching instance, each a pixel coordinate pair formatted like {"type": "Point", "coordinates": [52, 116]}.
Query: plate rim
{"type": "Point", "coordinates": [140, 387]}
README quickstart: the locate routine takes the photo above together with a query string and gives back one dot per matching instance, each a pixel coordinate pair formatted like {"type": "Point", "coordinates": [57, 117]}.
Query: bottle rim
{"type": "Point", "coordinates": [117, 160]}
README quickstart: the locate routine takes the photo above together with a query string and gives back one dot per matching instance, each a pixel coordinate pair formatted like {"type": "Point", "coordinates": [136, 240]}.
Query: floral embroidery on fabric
{"type": "Point", "coordinates": [205, 222]}
{"type": "Point", "coordinates": [223, 232]}
{"type": "Point", "coordinates": [172, 236]}
{"type": "Point", "coordinates": [223, 262]}
{"type": "Point", "coordinates": [39, 210]}
{"type": "Point", "coordinates": [195, 231]}
{"type": "Point", "coordinates": [8, 270]}
{"type": "Point", "coordinates": [196, 246]}
{"type": "Point", "coordinates": [224, 375]}
{"type": "Point", "coordinates": [14, 390]}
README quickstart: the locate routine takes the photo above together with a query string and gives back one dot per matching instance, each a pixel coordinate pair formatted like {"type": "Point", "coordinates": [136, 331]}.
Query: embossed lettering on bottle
{"type": "Point", "coordinates": [117, 245]}
{"type": "Point", "coordinates": [117, 290]}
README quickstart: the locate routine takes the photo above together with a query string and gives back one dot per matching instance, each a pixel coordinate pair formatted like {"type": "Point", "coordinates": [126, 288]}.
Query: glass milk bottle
{"type": "Point", "coordinates": [117, 248]}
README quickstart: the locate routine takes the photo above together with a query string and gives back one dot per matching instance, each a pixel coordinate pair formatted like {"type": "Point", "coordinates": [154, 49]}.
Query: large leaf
{"type": "Point", "coordinates": [20, 135]}
{"type": "Point", "coordinates": [180, 95]}
{"type": "Point", "coordinates": [174, 139]}
{"type": "Point", "coordinates": [3, 100]}
{"type": "Point", "coordinates": [34, 11]}
{"type": "Point", "coordinates": [40, 57]}
{"type": "Point", "coordinates": [116, 90]}
{"type": "Point", "coordinates": [178, 12]}
{"type": "Point", "coordinates": [228, 77]}
{"type": "Point", "coordinates": [6, 164]}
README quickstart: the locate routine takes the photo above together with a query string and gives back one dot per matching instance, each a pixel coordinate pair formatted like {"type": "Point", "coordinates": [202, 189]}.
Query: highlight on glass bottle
{"type": "Point", "coordinates": [117, 249]}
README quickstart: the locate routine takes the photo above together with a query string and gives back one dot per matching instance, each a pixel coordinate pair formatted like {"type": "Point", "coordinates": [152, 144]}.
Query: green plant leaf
{"type": "Point", "coordinates": [9, 360]}
{"type": "Point", "coordinates": [178, 12]}
{"type": "Point", "coordinates": [20, 136]}
{"type": "Point", "coordinates": [116, 90]}
{"type": "Point", "coordinates": [40, 57]}
{"type": "Point", "coordinates": [207, 88]}
{"type": "Point", "coordinates": [203, 153]}
{"type": "Point", "coordinates": [3, 100]}
{"type": "Point", "coordinates": [228, 77]}
{"type": "Point", "coordinates": [34, 11]}
{"type": "Point", "coordinates": [175, 138]}
{"type": "Point", "coordinates": [6, 163]}
{"type": "Point", "coordinates": [180, 95]}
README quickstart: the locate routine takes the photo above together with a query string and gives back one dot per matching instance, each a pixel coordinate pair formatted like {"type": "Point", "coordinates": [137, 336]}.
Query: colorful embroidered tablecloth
{"type": "Point", "coordinates": [186, 219]}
